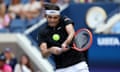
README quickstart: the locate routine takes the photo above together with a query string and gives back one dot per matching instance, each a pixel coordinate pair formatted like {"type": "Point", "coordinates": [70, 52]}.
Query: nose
{"type": "Point", "coordinates": [52, 19]}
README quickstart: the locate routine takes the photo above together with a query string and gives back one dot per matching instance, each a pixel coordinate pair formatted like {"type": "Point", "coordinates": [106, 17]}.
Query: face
{"type": "Point", "coordinates": [24, 60]}
{"type": "Point", "coordinates": [67, 1]}
{"type": "Point", "coordinates": [53, 20]}
{"type": "Point", "coordinates": [15, 1]}
{"type": "Point", "coordinates": [53, 1]}
{"type": "Point", "coordinates": [8, 55]}
{"type": "Point", "coordinates": [1, 1]}
{"type": "Point", "coordinates": [32, 0]}
{"type": "Point", "coordinates": [2, 11]}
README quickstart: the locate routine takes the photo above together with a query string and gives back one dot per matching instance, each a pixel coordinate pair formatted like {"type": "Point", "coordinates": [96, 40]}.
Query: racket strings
{"type": "Point", "coordinates": [82, 39]}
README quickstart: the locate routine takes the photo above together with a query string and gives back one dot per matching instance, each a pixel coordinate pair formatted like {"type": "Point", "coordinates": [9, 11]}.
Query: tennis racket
{"type": "Point", "coordinates": [82, 40]}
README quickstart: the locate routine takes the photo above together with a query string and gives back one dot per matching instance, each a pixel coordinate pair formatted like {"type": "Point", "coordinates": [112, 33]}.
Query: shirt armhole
{"type": "Point", "coordinates": [68, 21]}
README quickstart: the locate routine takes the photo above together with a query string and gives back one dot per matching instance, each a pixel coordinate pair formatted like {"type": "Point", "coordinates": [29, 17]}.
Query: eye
{"type": "Point", "coordinates": [49, 16]}
{"type": "Point", "coordinates": [55, 17]}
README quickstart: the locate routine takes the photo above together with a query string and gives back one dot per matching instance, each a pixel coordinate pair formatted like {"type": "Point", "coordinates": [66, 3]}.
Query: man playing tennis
{"type": "Point", "coordinates": [55, 37]}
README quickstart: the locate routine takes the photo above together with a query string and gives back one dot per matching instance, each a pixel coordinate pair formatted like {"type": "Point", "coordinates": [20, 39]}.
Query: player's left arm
{"type": "Point", "coordinates": [70, 30]}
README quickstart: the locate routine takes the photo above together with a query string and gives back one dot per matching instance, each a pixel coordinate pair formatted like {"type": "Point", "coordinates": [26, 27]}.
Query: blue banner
{"type": "Point", "coordinates": [105, 50]}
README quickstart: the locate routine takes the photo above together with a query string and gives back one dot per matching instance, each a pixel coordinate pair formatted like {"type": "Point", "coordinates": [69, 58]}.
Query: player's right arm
{"type": "Point", "coordinates": [44, 50]}
{"type": "Point", "coordinates": [48, 51]}
{"type": "Point", "coordinates": [43, 45]}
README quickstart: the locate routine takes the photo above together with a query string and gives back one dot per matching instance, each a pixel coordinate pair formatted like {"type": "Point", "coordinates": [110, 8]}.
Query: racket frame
{"type": "Point", "coordinates": [90, 42]}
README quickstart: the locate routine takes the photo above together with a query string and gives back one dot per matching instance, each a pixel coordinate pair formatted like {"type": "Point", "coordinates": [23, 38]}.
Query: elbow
{"type": "Point", "coordinates": [45, 54]}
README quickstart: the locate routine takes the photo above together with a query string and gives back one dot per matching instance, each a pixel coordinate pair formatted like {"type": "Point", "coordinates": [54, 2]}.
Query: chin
{"type": "Point", "coordinates": [52, 25]}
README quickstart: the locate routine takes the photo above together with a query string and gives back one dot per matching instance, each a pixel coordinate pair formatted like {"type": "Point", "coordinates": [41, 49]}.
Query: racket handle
{"type": "Point", "coordinates": [68, 47]}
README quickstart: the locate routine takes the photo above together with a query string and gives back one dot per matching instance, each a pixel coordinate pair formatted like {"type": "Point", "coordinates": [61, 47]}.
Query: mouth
{"type": "Point", "coordinates": [53, 23]}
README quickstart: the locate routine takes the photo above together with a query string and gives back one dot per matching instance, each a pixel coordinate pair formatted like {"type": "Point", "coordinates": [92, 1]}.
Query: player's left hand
{"type": "Point", "coordinates": [64, 47]}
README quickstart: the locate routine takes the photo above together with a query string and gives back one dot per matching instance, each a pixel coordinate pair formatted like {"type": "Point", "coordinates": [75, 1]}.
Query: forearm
{"type": "Point", "coordinates": [71, 32]}
{"type": "Point", "coordinates": [44, 50]}
{"type": "Point", "coordinates": [69, 38]}
{"type": "Point", "coordinates": [52, 50]}
{"type": "Point", "coordinates": [46, 53]}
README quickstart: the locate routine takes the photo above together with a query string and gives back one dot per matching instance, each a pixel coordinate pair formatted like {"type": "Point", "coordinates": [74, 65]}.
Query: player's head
{"type": "Point", "coordinates": [52, 13]}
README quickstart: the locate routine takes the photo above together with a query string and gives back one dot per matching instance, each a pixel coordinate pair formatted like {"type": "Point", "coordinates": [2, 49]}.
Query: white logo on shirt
{"type": "Point", "coordinates": [59, 28]}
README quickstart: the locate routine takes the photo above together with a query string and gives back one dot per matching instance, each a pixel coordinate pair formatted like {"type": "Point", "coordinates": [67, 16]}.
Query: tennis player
{"type": "Point", "coordinates": [55, 36]}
